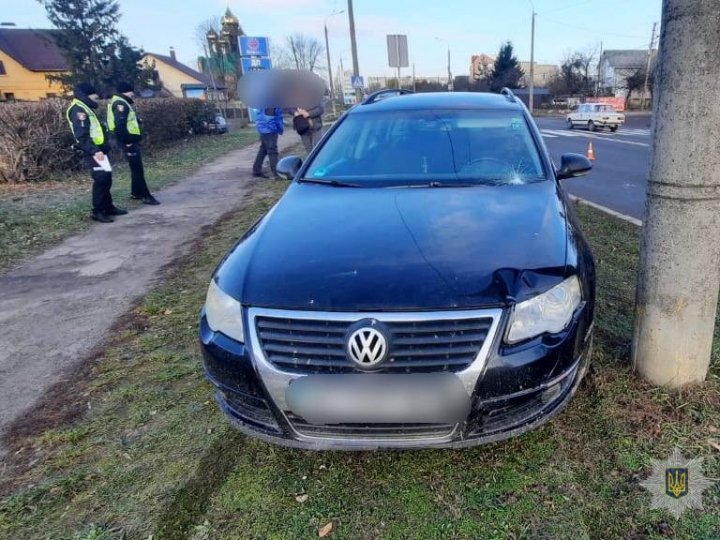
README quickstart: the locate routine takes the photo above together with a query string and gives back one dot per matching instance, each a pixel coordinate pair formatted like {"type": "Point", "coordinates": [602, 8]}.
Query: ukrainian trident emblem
{"type": "Point", "coordinates": [677, 483]}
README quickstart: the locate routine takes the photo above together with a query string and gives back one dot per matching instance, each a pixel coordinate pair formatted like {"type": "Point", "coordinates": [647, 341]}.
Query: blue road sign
{"type": "Point", "coordinates": [357, 81]}
{"type": "Point", "coordinates": [255, 63]}
{"type": "Point", "coordinates": [254, 46]}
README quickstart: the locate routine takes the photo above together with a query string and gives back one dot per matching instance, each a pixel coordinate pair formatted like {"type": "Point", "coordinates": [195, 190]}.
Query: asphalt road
{"type": "Point", "coordinates": [619, 177]}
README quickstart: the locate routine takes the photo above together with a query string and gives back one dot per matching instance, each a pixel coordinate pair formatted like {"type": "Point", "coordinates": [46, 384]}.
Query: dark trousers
{"type": "Point", "coordinates": [102, 182]}
{"type": "Point", "coordinates": [269, 148]}
{"type": "Point", "coordinates": [138, 186]}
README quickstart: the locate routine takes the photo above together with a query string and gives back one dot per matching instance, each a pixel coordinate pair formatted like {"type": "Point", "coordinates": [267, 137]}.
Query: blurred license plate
{"type": "Point", "coordinates": [355, 398]}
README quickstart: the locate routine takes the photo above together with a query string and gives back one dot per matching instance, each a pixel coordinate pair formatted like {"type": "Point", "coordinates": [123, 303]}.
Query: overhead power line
{"type": "Point", "coordinates": [592, 31]}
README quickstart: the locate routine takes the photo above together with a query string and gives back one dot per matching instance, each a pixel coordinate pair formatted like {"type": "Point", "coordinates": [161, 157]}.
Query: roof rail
{"type": "Point", "coordinates": [384, 93]}
{"type": "Point", "coordinates": [508, 94]}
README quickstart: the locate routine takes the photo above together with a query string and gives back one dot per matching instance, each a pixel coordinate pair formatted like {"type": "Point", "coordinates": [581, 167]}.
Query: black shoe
{"type": "Point", "coordinates": [152, 201]}
{"type": "Point", "coordinates": [102, 218]}
{"type": "Point", "coordinates": [115, 211]}
{"type": "Point", "coordinates": [259, 175]}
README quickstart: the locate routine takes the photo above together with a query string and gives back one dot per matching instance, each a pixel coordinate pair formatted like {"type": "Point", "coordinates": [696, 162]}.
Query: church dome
{"type": "Point", "coordinates": [230, 19]}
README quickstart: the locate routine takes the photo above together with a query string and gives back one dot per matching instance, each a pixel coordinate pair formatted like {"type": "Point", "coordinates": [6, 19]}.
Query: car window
{"type": "Point", "coordinates": [417, 147]}
{"type": "Point", "coordinates": [606, 108]}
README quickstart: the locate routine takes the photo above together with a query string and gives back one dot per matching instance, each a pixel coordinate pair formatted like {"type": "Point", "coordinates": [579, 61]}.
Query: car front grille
{"type": "Point", "coordinates": [303, 345]}
{"type": "Point", "coordinates": [370, 431]}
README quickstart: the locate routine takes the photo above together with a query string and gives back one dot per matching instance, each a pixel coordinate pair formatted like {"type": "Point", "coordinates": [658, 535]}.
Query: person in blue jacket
{"type": "Point", "coordinates": [269, 124]}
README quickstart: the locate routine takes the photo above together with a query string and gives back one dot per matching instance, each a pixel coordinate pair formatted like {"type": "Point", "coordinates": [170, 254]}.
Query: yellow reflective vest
{"type": "Point", "coordinates": [133, 126]}
{"type": "Point", "coordinates": [96, 131]}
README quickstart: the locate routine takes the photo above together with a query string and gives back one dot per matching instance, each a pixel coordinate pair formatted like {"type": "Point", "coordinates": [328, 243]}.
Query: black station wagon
{"type": "Point", "coordinates": [422, 283]}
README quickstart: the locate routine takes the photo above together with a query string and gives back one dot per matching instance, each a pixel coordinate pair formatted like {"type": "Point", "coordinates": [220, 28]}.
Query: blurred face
{"type": "Point", "coordinates": [130, 94]}
{"type": "Point", "coordinates": [94, 97]}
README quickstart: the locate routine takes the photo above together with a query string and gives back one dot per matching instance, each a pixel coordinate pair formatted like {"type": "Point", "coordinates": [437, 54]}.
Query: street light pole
{"type": "Point", "coordinates": [353, 45]}
{"type": "Point", "coordinates": [329, 64]}
{"type": "Point", "coordinates": [450, 85]}
{"type": "Point", "coordinates": [531, 98]}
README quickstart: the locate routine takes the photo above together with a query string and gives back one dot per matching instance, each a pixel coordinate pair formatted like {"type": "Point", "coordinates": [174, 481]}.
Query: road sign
{"type": "Point", "coordinates": [397, 46]}
{"type": "Point", "coordinates": [357, 81]}
{"type": "Point", "coordinates": [254, 46]}
{"type": "Point", "coordinates": [254, 63]}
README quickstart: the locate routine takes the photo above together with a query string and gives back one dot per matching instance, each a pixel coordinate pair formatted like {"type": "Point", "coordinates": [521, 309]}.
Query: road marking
{"type": "Point", "coordinates": [628, 131]}
{"type": "Point", "coordinates": [605, 209]}
{"type": "Point", "coordinates": [600, 137]}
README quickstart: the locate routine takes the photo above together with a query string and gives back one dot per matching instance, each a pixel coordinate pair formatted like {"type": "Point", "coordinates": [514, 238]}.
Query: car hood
{"type": "Point", "coordinates": [351, 249]}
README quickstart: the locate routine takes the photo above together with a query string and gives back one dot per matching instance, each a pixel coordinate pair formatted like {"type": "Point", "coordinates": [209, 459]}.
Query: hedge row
{"type": "Point", "coordinates": [36, 143]}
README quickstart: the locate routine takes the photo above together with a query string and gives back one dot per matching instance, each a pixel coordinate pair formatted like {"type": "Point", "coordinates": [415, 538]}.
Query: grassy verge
{"type": "Point", "coordinates": [150, 454]}
{"type": "Point", "coordinates": [32, 216]}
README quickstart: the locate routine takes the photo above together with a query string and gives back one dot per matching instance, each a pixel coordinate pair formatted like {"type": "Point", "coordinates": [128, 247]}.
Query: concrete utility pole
{"type": "Point", "coordinates": [647, 70]}
{"type": "Point", "coordinates": [353, 44]}
{"type": "Point", "coordinates": [531, 99]}
{"type": "Point", "coordinates": [327, 50]}
{"type": "Point", "coordinates": [597, 82]}
{"type": "Point", "coordinates": [679, 273]}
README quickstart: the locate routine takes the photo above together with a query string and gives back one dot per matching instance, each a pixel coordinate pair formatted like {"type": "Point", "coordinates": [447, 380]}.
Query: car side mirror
{"type": "Point", "coordinates": [572, 165]}
{"type": "Point", "coordinates": [289, 166]}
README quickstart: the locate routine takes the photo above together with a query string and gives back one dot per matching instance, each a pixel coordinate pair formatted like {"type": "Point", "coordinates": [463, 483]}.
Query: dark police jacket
{"type": "Point", "coordinates": [81, 128]}
{"type": "Point", "coordinates": [120, 111]}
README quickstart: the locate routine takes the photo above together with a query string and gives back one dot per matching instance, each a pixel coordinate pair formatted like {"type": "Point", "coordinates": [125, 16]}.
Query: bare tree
{"type": "Point", "coordinates": [304, 51]}
{"type": "Point", "coordinates": [202, 29]}
{"type": "Point", "coordinates": [576, 74]}
{"type": "Point", "coordinates": [635, 82]}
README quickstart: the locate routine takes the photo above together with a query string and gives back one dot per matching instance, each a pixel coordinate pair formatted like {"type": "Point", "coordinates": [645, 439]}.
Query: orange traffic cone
{"type": "Point", "coordinates": [590, 152]}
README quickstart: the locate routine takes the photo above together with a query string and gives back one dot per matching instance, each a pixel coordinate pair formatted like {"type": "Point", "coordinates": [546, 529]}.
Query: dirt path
{"type": "Point", "coordinates": [57, 307]}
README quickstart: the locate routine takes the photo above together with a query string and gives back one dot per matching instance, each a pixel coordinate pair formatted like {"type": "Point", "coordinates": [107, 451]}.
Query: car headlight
{"type": "Point", "coordinates": [549, 312]}
{"type": "Point", "coordinates": [224, 313]}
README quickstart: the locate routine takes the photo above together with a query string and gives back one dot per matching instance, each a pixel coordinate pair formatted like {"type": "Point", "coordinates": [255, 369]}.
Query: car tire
{"type": "Point", "coordinates": [570, 124]}
{"type": "Point", "coordinates": [613, 128]}
{"type": "Point", "coordinates": [592, 126]}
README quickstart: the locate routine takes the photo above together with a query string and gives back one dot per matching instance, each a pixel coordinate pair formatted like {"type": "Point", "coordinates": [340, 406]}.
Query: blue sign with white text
{"type": "Point", "coordinates": [255, 63]}
{"type": "Point", "coordinates": [254, 46]}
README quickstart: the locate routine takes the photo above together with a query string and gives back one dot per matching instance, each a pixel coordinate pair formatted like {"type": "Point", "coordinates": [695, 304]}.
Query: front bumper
{"type": "Point", "coordinates": [520, 388]}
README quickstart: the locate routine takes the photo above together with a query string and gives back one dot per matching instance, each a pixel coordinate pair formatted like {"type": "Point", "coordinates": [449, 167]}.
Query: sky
{"type": "Point", "coordinates": [467, 26]}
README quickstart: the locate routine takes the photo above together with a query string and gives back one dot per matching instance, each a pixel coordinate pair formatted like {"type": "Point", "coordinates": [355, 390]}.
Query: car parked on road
{"type": "Point", "coordinates": [423, 282]}
{"type": "Point", "coordinates": [594, 116]}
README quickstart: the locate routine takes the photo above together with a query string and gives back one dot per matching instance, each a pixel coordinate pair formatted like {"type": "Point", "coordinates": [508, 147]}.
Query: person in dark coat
{"type": "Point", "coordinates": [311, 136]}
{"type": "Point", "coordinates": [92, 140]}
{"type": "Point", "coordinates": [269, 124]}
{"type": "Point", "coordinates": [123, 121]}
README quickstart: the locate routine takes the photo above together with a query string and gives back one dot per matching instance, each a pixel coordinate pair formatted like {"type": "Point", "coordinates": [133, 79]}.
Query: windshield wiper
{"type": "Point", "coordinates": [436, 184]}
{"type": "Point", "coordinates": [328, 182]}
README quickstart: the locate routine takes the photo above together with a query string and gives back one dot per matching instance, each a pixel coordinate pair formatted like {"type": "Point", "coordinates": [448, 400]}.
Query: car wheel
{"type": "Point", "coordinates": [570, 124]}
{"type": "Point", "coordinates": [613, 128]}
{"type": "Point", "coordinates": [591, 126]}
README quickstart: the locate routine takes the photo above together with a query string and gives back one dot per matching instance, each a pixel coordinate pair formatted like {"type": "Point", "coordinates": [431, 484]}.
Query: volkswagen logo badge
{"type": "Point", "coordinates": [367, 347]}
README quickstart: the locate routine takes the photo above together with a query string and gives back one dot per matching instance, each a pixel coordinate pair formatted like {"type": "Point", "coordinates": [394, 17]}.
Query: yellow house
{"type": "Point", "coordinates": [26, 57]}
{"type": "Point", "coordinates": [180, 80]}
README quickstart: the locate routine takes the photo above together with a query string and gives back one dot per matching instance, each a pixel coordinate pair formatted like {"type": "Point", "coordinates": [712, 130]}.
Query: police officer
{"type": "Point", "coordinates": [92, 140]}
{"type": "Point", "coordinates": [124, 123]}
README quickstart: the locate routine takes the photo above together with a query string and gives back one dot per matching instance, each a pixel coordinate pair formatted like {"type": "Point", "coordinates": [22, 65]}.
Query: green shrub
{"type": "Point", "coordinates": [36, 143]}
